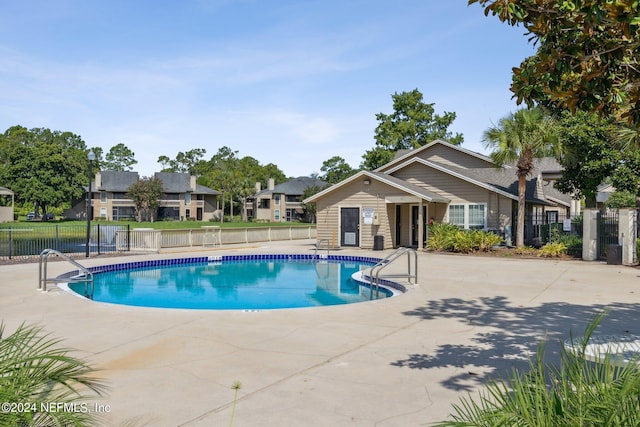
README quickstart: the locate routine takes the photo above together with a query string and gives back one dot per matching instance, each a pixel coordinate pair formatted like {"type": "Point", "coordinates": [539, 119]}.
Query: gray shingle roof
{"type": "Point", "coordinates": [174, 182]}
{"type": "Point", "coordinates": [201, 189]}
{"type": "Point", "coordinates": [117, 181]}
{"type": "Point", "coordinates": [506, 180]}
{"type": "Point", "coordinates": [296, 186]}
{"type": "Point", "coordinates": [120, 181]}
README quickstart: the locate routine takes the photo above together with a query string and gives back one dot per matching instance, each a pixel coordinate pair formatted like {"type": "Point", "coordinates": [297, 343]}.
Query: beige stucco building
{"type": "Point", "coordinates": [182, 199]}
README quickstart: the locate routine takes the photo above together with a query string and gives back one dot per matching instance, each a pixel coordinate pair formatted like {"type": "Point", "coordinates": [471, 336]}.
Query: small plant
{"type": "Point", "coordinates": [235, 386]}
{"type": "Point", "coordinates": [525, 250]}
{"type": "Point", "coordinates": [487, 240]}
{"type": "Point", "coordinates": [552, 250]}
{"type": "Point", "coordinates": [577, 393]}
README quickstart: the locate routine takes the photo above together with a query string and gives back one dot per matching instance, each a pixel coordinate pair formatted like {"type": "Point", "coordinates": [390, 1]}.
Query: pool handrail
{"type": "Point", "coordinates": [319, 246]}
{"type": "Point", "coordinates": [42, 272]}
{"type": "Point", "coordinates": [374, 273]}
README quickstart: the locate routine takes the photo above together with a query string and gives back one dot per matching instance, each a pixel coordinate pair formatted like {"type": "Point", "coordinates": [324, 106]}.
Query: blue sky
{"type": "Point", "coordinates": [289, 82]}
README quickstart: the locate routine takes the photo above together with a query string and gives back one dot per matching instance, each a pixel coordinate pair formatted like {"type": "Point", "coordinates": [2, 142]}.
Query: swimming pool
{"type": "Point", "coordinates": [236, 282]}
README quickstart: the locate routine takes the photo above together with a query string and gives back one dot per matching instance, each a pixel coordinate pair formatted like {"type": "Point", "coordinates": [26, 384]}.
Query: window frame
{"type": "Point", "coordinates": [467, 207]}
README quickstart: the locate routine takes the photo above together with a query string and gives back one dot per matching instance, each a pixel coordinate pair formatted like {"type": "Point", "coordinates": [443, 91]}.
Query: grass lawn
{"type": "Point", "coordinates": [158, 225]}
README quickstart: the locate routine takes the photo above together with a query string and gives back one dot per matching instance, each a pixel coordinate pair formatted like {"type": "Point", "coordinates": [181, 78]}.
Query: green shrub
{"type": "Point", "coordinates": [487, 240]}
{"type": "Point", "coordinates": [451, 238]}
{"type": "Point", "coordinates": [464, 241]}
{"type": "Point", "coordinates": [552, 250]}
{"type": "Point", "coordinates": [549, 232]}
{"type": "Point", "coordinates": [441, 236]}
{"type": "Point", "coordinates": [573, 244]}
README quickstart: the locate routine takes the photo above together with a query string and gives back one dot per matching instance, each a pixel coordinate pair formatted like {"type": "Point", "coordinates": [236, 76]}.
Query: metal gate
{"type": "Point", "coordinates": [607, 232]}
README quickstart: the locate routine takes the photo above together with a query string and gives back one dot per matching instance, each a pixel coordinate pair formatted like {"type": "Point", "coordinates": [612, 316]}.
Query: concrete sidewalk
{"type": "Point", "coordinates": [396, 362]}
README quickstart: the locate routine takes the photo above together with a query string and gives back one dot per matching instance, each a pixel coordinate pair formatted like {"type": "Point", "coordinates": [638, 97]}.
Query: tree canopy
{"type": "Point", "coordinates": [589, 155]}
{"type": "Point", "coordinates": [146, 195]}
{"type": "Point", "coordinates": [412, 124]}
{"type": "Point", "coordinates": [43, 167]}
{"type": "Point", "coordinates": [119, 158]}
{"type": "Point", "coordinates": [185, 162]}
{"type": "Point", "coordinates": [236, 176]}
{"type": "Point", "coordinates": [335, 170]}
{"type": "Point", "coordinates": [588, 55]}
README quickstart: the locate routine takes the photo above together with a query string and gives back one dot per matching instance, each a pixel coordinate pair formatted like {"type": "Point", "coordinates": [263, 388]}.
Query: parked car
{"type": "Point", "coordinates": [48, 217]}
{"type": "Point", "coordinates": [31, 216]}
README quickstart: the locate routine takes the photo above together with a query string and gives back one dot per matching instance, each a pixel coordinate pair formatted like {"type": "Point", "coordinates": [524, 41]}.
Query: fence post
{"type": "Point", "coordinates": [627, 232]}
{"type": "Point", "coordinates": [590, 235]}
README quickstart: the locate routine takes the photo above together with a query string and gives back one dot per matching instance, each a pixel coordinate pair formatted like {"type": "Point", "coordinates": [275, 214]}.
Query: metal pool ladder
{"type": "Point", "coordinates": [375, 276]}
{"type": "Point", "coordinates": [322, 244]}
{"type": "Point", "coordinates": [87, 276]}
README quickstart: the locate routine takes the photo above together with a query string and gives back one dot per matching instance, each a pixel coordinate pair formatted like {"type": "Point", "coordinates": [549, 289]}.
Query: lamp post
{"type": "Point", "coordinates": [91, 156]}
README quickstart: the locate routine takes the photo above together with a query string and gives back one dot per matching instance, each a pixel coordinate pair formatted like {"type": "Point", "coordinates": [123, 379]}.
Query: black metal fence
{"type": "Point", "coordinates": [550, 226]}
{"type": "Point", "coordinates": [608, 224]}
{"type": "Point", "coordinates": [71, 239]}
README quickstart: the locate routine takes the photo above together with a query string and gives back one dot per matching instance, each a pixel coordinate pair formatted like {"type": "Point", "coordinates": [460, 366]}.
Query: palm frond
{"type": "Point", "coordinates": [35, 369]}
{"type": "Point", "coordinates": [577, 393]}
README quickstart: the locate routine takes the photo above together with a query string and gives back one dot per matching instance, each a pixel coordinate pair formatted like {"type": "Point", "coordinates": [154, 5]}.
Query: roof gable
{"type": "Point", "coordinates": [390, 180]}
{"type": "Point", "coordinates": [443, 152]}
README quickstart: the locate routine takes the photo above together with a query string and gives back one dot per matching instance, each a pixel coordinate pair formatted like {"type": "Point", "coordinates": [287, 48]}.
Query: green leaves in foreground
{"type": "Point", "coordinates": [577, 393]}
{"type": "Point", "coordinates": [35, 373]}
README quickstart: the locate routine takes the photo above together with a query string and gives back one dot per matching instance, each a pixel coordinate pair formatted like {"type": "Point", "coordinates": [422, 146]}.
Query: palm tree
{"type": "Point", "coordinates": [35, 373]}
{"type": "Point", "coordinates": [521, 137]}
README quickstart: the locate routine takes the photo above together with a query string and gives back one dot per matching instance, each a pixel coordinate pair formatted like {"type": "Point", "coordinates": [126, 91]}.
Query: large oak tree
{"type": "Point", "coordinates": [43, 167]}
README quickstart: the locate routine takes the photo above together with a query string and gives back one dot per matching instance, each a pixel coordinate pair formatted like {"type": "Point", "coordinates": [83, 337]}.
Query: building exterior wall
{"type": "Point", "coordinates": [444, 155]}
{"type": "Point", "coordinates": [452, 157]}
{"type": "Point", "coordinates": [357, 195]}
{"type": "Point", "coordinates": [458, 191]}
{"type": "Point", "coordinates": [102, 208]}
{"type": "Point", "coordinates": [6, 213]}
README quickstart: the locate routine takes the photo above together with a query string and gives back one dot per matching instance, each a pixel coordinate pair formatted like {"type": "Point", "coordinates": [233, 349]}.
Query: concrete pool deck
{"type": "Point", "coordinates": [402, 361]}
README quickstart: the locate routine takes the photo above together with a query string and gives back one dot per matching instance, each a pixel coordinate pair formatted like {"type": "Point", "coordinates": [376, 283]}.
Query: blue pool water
{"type": "Point", "coordinates": [233, 282]}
